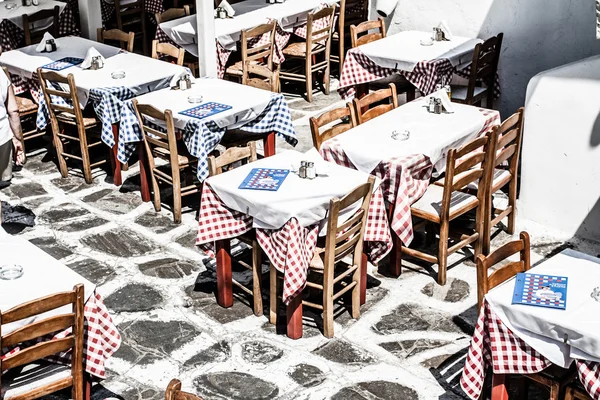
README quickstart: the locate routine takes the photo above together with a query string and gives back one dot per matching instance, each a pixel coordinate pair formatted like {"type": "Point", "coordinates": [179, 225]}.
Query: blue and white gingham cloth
{"type": "Point", "coordinates": [202, 137]}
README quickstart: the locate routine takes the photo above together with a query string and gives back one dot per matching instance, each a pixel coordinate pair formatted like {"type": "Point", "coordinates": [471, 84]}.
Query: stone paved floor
{"type": "Point", "coordinates": [408, 343]}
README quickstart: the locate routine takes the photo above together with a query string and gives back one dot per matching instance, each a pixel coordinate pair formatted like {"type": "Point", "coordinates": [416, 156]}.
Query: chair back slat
{"type": "Point", "coordinates": [38, 352]}
{"type": "Point", "coordinates": [261, 77]}
{"type": "Point", "coordinates": [263, 52]}
{"type": "Point", "coordinates": [39, 329]}
{"type": "Point", "coordinates": [171, 14]}
{"type": "Point", "coordinates": [168, 50]}
{"type": "Point", "coordinates": [35, 35]}
{"type": "Point", "coordinates": [505, 154]}
{"type": "Point", "coordinates": [368, 37]}
{"type": "Point", "coordinates": [174, 392]}
{"type": "Point", "coordinates": [231, 156]}
{"type": "Point", "coordinates": [126, 39]}
{"type": "Point", "coordinates": [326, 119]}
{"type": "Point", "coordinates": [484, 66]}
{"type": "Point", "coordinates": [462, 180]}
{"type": "Point", "coordinates": [38, 306]}
{"type": "Point", "coordinates": [469, 162]}
{"type": "Point", "coordinates": [319, 36]}
{"type": "Point", "coordinates": [374, 98]}
{"type": "Point", "coordinates": [507, 141]}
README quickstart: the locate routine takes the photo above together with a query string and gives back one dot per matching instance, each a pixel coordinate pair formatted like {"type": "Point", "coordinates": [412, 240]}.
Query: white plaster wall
{"type": "Point", "coordinates": [538, 34]}
{"type": "Point", "coordinates": [560, 176]}
{"type": "Point", "coordinates": [90, 18]}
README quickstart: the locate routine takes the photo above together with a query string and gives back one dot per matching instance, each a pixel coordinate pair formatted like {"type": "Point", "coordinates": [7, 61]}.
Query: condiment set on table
{"type": "Point", "coordinates": [307, 170]}
{"type": "Point", "coordinates": [435, 105]}
{"type": "Point", "coordinates": [28, 3]}
{"type": "Point", "coordinates": [50, 46]}
{"type": "Point", "coordinates": [275, 1]}
{"type": "Point", "coordinates": [224, 10]}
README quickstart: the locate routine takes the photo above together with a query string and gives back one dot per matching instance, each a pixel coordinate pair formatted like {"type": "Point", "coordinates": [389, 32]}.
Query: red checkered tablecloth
{"type": "Point", "coordinates": [404, 179]}
{"type": "Point", "coordinates": [151, 6]}
{"type": "Point", "coordinates": [494, 345]}
{"type": "Point", "coordinates": [101, 338]}
{"type": "Point", "coordinates": [290, 248]}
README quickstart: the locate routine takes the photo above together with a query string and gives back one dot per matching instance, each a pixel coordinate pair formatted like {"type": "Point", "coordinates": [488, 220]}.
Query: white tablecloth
{"type": "Point", "coordinates": [430, 134]}
{"type": "Point", "coordinates": [43, 276]}
{"type": "Point", "coordinates": [249, 13]}
{"type": "Point", "coordinates": [545, 329]}
{"type": "Point", "coordinates": [304, 199]}
{"type": "Point", "coordinates": [403, 51]}
{"type": "Point", "coordinates": [15, 15]}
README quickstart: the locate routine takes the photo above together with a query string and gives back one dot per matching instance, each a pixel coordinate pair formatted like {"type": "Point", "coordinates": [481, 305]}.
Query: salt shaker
{"type": "Point", "coordinates": [182, 84]}
{"type": "Point", "coordinates": [311, 172]}
{"type": "Point", "coordinates": [48, 46]}
{"type": "Point", "coordinates": [437, 108]}
{"type": "Point", "coordinates": [431, 106]}
{"type": "Point", "coordinates": [26, 3]}
{"type": "Point", "coordinates": [302, 170]}
{"type": "Point", "coordinates": [35, 2]}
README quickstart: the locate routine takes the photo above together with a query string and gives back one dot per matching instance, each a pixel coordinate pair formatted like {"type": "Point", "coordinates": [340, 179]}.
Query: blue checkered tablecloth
{"type": "Point", "coordinates": [202, 137]}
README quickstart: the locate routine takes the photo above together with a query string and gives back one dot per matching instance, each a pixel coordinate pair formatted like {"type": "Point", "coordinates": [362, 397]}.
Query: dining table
{"type": "Point", "coordinates": [287, 222]}
{"type": "Point", "coordinates": [406, 166]}
{"type": "Point", "coordinates": [290, 16]}
{"type": "Point", "coordinates": [404, 53]}
{"type": "Point", "coordinates": [42, 275]}
{"type": "Point", "coordinates": [524, 339]}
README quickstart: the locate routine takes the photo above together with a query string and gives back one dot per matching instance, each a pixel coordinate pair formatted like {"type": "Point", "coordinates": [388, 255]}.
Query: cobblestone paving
{"type": "Point", "coordinates": [408, 343]}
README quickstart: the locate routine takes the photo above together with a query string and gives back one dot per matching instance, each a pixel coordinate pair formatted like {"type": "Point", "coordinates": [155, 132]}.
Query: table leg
{"type": "Point", "coordinates": [396, 254]}
{"type": "Point", "coordinates": [144, 185]}
{"type": "Point", "coordinates": [294, 317]}
{"type": "Point", "coordinates": [117, 178]}
{"type": "Point", "coordinates": [87, 386]}
{"type": "Point", "coordinates": [499, 387]}
{"type": "Point", "coordinates": [224, 279]}
{"type": "Point", "coordinates": [269, 145]}
{"type": "Point", "coordinates": [363, 280]}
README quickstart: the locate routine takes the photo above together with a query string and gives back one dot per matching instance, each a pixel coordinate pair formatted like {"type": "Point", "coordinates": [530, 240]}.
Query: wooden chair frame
{"type": "Point", "coordinates": [171, 14]}
{"type": "Point", "coordinates": [265, 78]}
{"type": "Point", "coordinates": [262, 54]}
{"type": "Point", "coordinates": [164, 145]}
{"type": "Point", "coordinates": [365, 28]}
{"type": "Point", "coordinates": [342, 241]}
{"type": "Point", "coordinates": [350, 12]}
{"type": "Point", "coordinates": [126, 39]}
{"type": "Point", "coordinates": [331, 131]}
{"type": "Point", "coordinates": [39, 330]}
{"type": "Point", "coordinates": [32, 37]}
{"type": "Point", "coordinates": [575, 393]}
{"type": "Point", "coordinates": [168, 49]}
{"type": "Point", "coordinates": [133, 10]}
{"type": "Point", "coordinates": [311, 66]}
{"type": "Point", "coordinates": [174, 392]}
{"type": "Point", "coordinates": [62, 115]}
{"type": "Point", "coordinates": [373, 98]}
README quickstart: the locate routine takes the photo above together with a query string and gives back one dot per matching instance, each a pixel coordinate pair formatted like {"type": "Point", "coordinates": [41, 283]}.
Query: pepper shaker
{"type": "Point", "coordinates": [302, 170]}
{"type": "Point", "coordinates": [438, 106]}
{"type": "Point", "coordinates": [35, 2]}
{"type": "Point", "coordinates": [311, 172]}
{"type": "Point", "coordinates": [48, 46]}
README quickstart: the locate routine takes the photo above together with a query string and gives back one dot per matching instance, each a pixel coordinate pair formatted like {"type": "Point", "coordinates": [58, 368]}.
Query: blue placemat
{"type": "Point", "coordinates": [541, 290]}
{"type": "Point", "coordinates": [63, 63]}
{"type": "Point", "coordinates": [265, 179]}
{"type": "Point", "coordinates": [205, 110]}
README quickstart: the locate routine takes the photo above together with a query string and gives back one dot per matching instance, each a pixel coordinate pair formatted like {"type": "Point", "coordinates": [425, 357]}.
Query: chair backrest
{"type": "Point", "coordinates": [346, 239]}
{"type": "Point", "coordinates": [506, 141]}
{"type": "Point", "coordinates": [167, 50]}
{"type": "Point", "coordinates": [334, 121]}
{"type": "Point", "coordinates": [135, 8]}
{"type": "Point", "coordinates": [171, 14]}
{"type": "Point", "coordinates": [32, 33]}
{"type": "Point", "coordinates": [361, 34]}
{"type": "Point", "coordinates": [37, 332]}
{"type": "Point", "coordinates": [317, 34]}
{"type": "Point", "coordinates": [485, 65]}
{"type": "Point", "coordinates": [59, 99]}
{"type": "Point", "coordinates": [231, 156]}
{"type": "Point", "coordinates": [484, 282]}
{"type": "Point", "coordinates": [260, 76]}
{"type": "Point", "coordinates": [378, 96]}
{"type": "Point", "coordinates": [262, 53]}
{"type": "Point", "coordinates": [174, 392]}
{"type": "Point", "coordinates": [126, 40]}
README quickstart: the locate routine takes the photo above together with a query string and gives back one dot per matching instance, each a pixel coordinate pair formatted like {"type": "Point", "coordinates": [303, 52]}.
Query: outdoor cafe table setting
{"type": "Point", "coordinates": [422, 61]}
{"type": "Point", "coordinates": [287, 220]}
{"type": "Point", "coordinates": [107, 8]}
{"type": "Point", "coordinates": [524, 339]}
{"type": "Point", "coordinates": [41, 276]}
{"type": "Point", "coordinates": [290, 16]}
{"type": "Point", "coordinates": [11, 20]}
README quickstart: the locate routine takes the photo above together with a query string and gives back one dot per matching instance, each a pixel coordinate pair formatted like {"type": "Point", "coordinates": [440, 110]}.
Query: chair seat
{"type": "Point", "coordinates": [237, 68]}
{"type": "Point", "coordinates": [23, 379]}
{"type": "Point", "coordinates": [238, 137]}
{"type": "Point", "coordinates": [184, 159]}
{"type": "Point", "coordinates": [431, 202]}
{"type": "Point", "coordinates": [299, 49]}
{"type": "Point", "coordinates": [459, 92]}
{"type": "Point", "coordinates": [25, 105]}
{"type": "Point", "coordinates": [69, 118]}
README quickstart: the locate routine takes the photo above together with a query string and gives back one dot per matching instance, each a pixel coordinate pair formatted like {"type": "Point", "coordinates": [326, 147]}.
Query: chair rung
{"type": "Point", "coordinates": [501, 214]}
{"type": "Point", "coordinates": [244, 288]}
{"type": "Point", "coordinates": [68, 155]}
{"type": "Point", "coordinates": [97, 163]}
{"type": "Point", "coordinates": [30, 135]}
{"type": "Point", "coordinates": [345, 274]}
{"type": "Point", "coordinates": [463, 243]}
{"type": "Point", "coordinates": [311, 304]}
{"type": "Point", "coordinates": [62, 135]}
{"type": "Point", "coordinates": [245, 265]}
{"type": "Point", "coordinates": [421, 256]}
{"type": "Point", "coordinates": [344, 290]}
{"type": "Point", "coordinates": [314, 285]}
{"type": "Point", "coordinates": [90, 145]}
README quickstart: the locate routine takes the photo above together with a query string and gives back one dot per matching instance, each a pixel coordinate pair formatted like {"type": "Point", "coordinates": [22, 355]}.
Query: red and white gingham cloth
{"type": "Point", "coordinates": [494, 345]}
{"type": "Point", "coordinates": [290, 248]}
{"type": "Point", "coordinates": [101, 338]}
{"type": "Point", "coordinates": [150, 6]}
{"type": "Point", "coordinates": [404, 179]}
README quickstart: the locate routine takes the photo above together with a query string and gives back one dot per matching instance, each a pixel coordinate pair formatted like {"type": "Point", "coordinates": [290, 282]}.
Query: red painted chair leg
{"type": "Point", "coordinates": [87, 386]}
{"type": "Point", "coordinates": [224, 279]}
{"type": "Point", "coordinates": [117, 178]}
{"type": "Point", "coordinates": [294, 318]}
{"type": "Point", "coordinates": [499, 387]}
{"type": "Point", "coordinates": [363, 280]}
{"type": "Point", "coordinates": [144, 184]}
{"type": "Point", "coordinates": [269, 145]}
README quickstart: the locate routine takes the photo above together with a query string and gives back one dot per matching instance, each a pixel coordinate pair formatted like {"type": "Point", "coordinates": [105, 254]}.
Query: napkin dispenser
{"type": "Point", "coordinates": [50, 45]}
{"type": "Point", "coordinates": [97, 63]}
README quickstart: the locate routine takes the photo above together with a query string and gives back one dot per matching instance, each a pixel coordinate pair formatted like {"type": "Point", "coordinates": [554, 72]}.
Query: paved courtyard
{"type": "Point", "coordinates": [408, 344]}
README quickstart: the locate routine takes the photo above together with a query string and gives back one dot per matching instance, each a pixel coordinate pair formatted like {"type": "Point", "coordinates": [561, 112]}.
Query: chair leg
{"type": "Point", "coordinates": [273, 300]}
{"type": "Point", "coordinates": [357, 278]}
{"type": "Point", "coordinates": [488, 215]}
{"type": "Point", "coordinates": [62, 163]}
{"type": "Point", "coordinates": [156, 191]}
{"type": "Point", "coordinates": [443, 253]}
{"type": "Point", "coordinates": [176, 195]}
{"type": "Point", "coordinates": [480, 219]}
{"type": "Point", "coordinates": [554, 391]}
{"type": "Point", "coordinates": [328, 311]}
{"type": "Point", "coordinates": [410, 95]}
{"type": "Point", "coordinates": [85, 159]}
{"type": "Point", "coordinates": [257, 278]}
{"type": "Point", "coordinates": [512, 202]}
{"type": "Point", "coordinates": [522, 388]}
{"type": "Point", "coordinates": [309, 79]}
{"type": "Point", "coordinates": [327, 77]}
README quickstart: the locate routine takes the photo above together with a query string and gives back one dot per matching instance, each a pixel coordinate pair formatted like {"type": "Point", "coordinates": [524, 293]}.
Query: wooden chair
{"type": "Point", "coordinates": [126, 40]}
{"type": "Point", "coordinates": [133, 17]}
{"type": "Point", "coordinates": [261, 77]}
{"type": "Point", "coordinates": [336, 121]}
{"type": "Point", "coordinates": [444, 202]}
{"type": "Point", "coordinates": [166, 49]}
{"type": "Point", "coordinates": [33, 35]}
{"type": "Point", "coordinates": [67, 117]}
{"type": "Point", "coordinates": [370, 31]}
{"type": "Point", "coordinates": [350, 12]}
{"type": "Point", "coordinates": [576, 392]}
{"type": "Point", "coordinates": [27, 113]}
{"type": "Point", "coordinates": [216, 165]}
{"type": "Point", "coordinates": [262, 54]}
{"type": "Point", "coordinates": [340, 260]}
{"type": "Point", "coordinates": [171, 14]}
{"type": "Point", "coordinates": [26, 375]}
{"type": "Point", "coordinates": [362, 107]}
{"type": "Point", "coordinates": [483, 69]}
{"type": "Point", "coordinates": [164, 146]}
{"type": "Point", "coordinates": [317, 44]}
{"type": "Point", "coordinates": [506, 145]}
{"type": "Point", "coordinates": [174, 392]}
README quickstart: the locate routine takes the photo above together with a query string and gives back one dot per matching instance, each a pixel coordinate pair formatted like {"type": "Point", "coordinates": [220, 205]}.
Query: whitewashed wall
{"type": "Point", "coordinates": [538, 34]}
